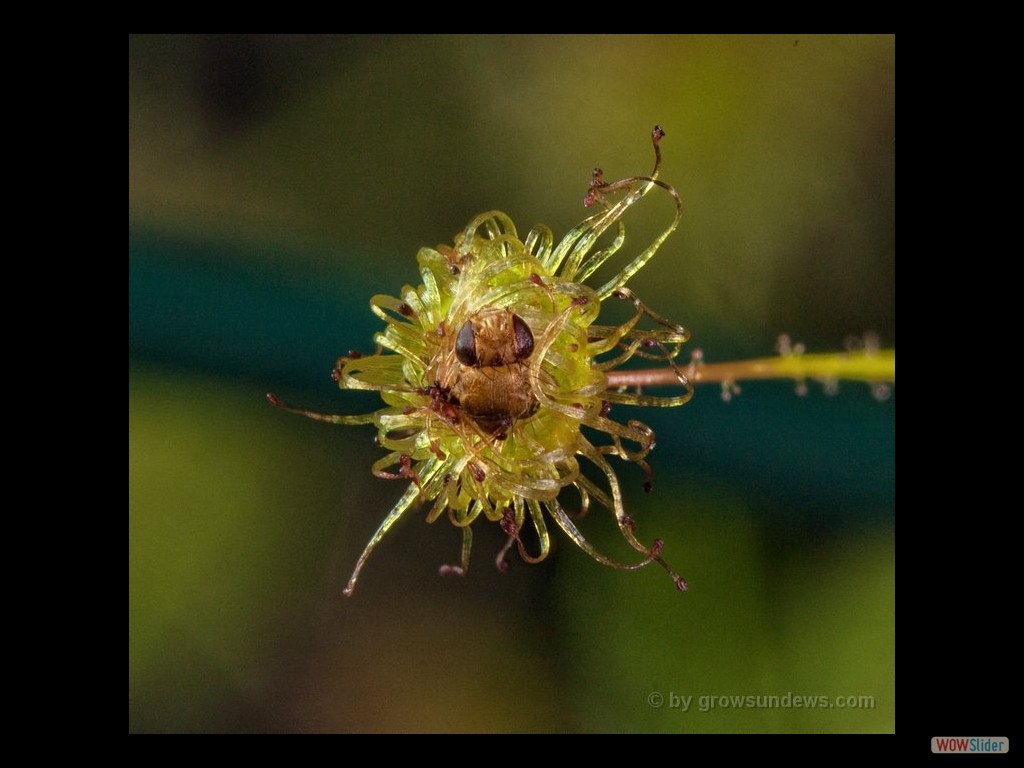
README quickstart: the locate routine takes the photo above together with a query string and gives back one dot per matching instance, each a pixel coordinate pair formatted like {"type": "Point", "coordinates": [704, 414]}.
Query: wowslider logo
{"type": "Point", "coordinates": [970, 745]}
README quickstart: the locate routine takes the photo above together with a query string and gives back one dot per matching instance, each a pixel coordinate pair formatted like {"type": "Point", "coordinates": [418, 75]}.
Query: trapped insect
{"type": "Point", "coordinates": [496, 362]}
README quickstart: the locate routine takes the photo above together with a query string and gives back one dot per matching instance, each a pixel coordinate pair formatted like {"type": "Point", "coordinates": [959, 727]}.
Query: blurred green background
{"type": "Point", "coordinates": [276, 183]}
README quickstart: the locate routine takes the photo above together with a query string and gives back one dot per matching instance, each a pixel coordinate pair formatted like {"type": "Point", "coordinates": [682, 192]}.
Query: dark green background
{"type": "Point", "coordinates": [276, 183]}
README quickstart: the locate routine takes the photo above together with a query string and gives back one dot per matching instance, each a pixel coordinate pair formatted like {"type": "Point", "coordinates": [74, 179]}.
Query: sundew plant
{"type": "Point", "coordinates": [499, 379]}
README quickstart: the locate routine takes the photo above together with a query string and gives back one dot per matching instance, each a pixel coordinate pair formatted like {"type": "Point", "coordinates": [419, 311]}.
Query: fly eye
{"type": "Point", "coordinates": [465, 344]}
{"type": "Point", "coordinates": [524, 338]}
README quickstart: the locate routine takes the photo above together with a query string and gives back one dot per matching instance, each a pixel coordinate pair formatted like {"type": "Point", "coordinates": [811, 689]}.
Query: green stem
{"type": "Point", "coordinates": [876, 366]}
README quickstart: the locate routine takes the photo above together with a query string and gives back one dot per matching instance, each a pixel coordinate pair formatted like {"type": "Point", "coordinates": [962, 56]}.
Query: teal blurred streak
{"type": "Point", "coordinates": [815, 458]}
{"type": "Point", "coordinates": [201, 307]}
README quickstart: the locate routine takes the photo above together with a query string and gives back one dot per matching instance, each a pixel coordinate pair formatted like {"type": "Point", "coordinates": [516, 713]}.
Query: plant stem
{"type": "Point", "coordinates": [874, 366]}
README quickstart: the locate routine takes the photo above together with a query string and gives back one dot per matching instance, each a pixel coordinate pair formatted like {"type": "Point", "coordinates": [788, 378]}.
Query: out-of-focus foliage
{"type": "Point", "coordinates": [276, 183]}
